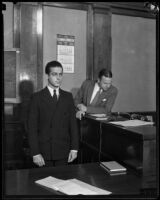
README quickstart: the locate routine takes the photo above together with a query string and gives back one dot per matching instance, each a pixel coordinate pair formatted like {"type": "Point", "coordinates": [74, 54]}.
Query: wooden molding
{"type": "Point", "coordinates": [16, 26]}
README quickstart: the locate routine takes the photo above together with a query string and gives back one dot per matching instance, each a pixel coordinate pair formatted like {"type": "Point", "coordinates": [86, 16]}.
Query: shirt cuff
{"type": "Point", "coordinates": [74, 151]}
{"type": "Point", "coordinates": [36, 155]}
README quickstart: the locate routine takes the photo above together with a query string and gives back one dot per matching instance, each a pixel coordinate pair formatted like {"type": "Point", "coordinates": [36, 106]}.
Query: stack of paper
{"type": "Point", "coordinates": [113, 167]}
{"type": "Point", "coordinates": [71, 186]}
{"type": "Point", "coordinates": [99, 116]}
{"type": "Point", "coordinates": [134, 122]}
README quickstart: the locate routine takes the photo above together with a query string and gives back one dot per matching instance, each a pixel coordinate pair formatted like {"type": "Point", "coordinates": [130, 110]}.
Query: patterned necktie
{"type": "Point", "coordinates": [54, 96]}
{"type": "Point", "coordinates": [93, 103]}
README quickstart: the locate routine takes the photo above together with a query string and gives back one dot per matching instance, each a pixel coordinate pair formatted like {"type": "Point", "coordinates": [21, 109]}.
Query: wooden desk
{"type": "Point", "coordinates": [22, 182]}
{"type": "Point", "coordinates": [134, 147]}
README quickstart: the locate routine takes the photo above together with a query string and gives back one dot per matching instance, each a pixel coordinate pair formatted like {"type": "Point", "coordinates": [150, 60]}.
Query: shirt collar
{"type": "Point", "coordinates": [97, 87]}
{"type": "Point", "coordinates": [51, 90]}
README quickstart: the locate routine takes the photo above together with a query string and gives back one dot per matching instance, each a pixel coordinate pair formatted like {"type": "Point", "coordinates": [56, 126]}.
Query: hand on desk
{"type": "Point", "coordinates": [38, 160]}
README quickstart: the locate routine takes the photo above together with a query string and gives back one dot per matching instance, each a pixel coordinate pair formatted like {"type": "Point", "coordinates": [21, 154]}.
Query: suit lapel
{"type": "Point", "coordinates": [104, 95]}
{"type": "Point", "coordinates": [60, 98]}
{"type": "Point", "coordinates": [46, 94]}
{"type": "Point", "coordinates": [47, 98]}
{"type": "Point", "coordinates": [90, 91]}
{"type": "Point", "coordinates": [61, 101]}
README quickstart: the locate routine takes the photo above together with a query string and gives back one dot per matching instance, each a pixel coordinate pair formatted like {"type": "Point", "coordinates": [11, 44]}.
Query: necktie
{"type": "Point", "coordinates": [94, 101]}
{"type": "Point", "coordinates": [54, 96]}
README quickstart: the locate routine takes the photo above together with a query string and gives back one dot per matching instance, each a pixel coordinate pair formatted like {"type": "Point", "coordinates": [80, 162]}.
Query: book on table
{"type": "Point", "coordinates": [113, 167]}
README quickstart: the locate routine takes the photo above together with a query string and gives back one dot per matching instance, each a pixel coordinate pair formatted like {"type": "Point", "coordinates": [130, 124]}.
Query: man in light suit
{"type": "Point", "coordinates": [96, 96]}
{"type": "Point", "coordinates": [53, 133]}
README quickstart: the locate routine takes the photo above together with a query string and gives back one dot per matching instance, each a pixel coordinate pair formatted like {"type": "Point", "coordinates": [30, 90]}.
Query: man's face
{"type": "Point", "coordinates": [105, 82]}
{"type": "Point", "coordinates": [55, 76]}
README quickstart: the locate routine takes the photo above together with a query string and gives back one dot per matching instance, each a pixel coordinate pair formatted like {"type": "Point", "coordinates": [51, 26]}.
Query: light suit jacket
{"type": "Point", "coordinates": [105, 102]}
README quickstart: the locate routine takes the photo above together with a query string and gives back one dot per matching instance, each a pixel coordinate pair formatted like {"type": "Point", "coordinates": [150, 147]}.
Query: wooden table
{"type": "Point", "coordinates": [22, 182]}
{"type": "Point", "coordinates": [133, 147]}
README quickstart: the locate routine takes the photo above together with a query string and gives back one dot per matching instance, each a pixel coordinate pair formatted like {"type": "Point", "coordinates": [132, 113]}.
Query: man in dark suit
{"type": "Point", "coordinates": [53, 134]}
{"type": "Point", "coordinates": [96, 97]}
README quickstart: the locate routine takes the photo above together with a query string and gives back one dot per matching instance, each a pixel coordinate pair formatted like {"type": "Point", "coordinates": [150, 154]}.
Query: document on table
{"type": "Point", "coordinates": [134, 122]}
{"type": "Point", "coordinates": [71, 186]}
{"type": "Point", "coordinates": [99, 116]}
{"type": "Point", "coordinates": [49, 181]}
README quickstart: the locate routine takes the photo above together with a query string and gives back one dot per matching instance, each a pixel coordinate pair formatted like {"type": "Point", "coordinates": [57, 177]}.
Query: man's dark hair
{"type": "Point", "coordinates": [52, 64]}
{"type": "Point", "coordinates": [105, 72]}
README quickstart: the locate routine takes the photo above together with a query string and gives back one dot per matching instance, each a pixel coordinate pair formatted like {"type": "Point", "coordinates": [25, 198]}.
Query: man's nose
{"type": "Point", "coordinates": [58, 76]}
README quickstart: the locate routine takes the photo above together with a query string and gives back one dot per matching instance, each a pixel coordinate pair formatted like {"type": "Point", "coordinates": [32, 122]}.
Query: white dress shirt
{"type": "Point", "coordinates": [51, 91]}
{"type": "Point", "coordinates": [95, 90]}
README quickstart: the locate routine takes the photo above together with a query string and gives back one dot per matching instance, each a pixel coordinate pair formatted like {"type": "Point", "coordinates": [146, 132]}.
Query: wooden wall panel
{"type": "Point", "coordinates": [102, 41]}
{"type": "Point", "coordinates": [10, 74]}
{"type": "Point", "coordinates": [65, 22]}
{"type": "Point", "coordinates": [8, 26]}
{"type": "Point", "coordinates": [90, 63]}
{"type": "Point", "coordinates": [28, 44]}
{"type": "Point", "coordinates": [13, 145]}
{"type": "Point", "coordinates": [134, 63]}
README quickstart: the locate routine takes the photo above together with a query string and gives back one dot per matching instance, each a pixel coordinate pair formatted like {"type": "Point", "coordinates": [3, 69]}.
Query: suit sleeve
{"type": "Point", "coordinates": [74, 144]}
{"type": "Point", "coordinates": [33, 126]}
{"type": "Point", "coordinates": [107, 108]}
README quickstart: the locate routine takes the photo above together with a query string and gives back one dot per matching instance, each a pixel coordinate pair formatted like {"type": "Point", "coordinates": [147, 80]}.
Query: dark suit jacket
{"type": "Point", "coordinates": [52, 128]}
{"type": "Point", "coordinates": [104, 103]}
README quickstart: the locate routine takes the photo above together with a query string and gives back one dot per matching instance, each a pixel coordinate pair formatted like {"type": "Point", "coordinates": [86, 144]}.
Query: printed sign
{"type": "Point", "coordinates": [65, 52]}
